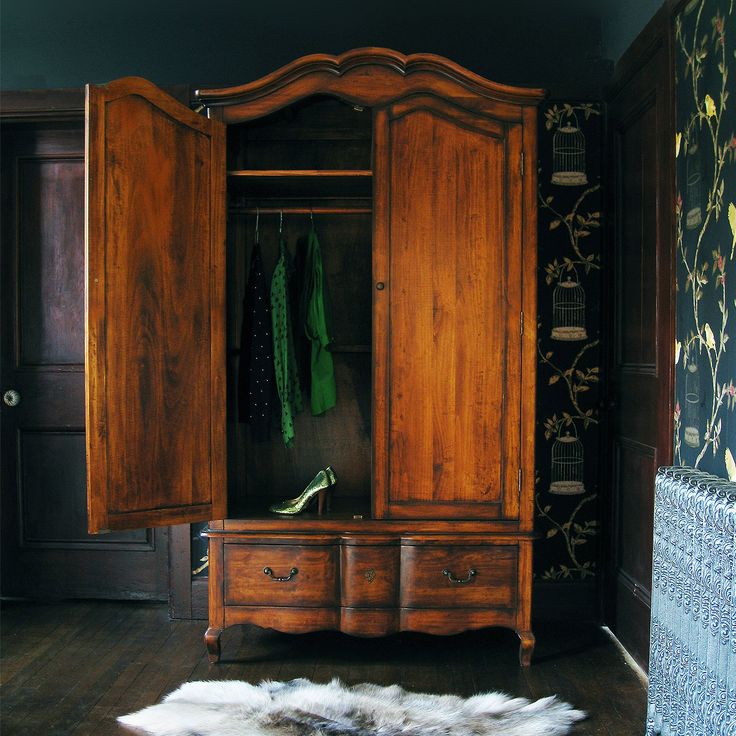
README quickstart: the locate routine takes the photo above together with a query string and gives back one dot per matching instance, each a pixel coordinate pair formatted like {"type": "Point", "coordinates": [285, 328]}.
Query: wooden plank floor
{"type": "Point", "coordinates": [73, 667]}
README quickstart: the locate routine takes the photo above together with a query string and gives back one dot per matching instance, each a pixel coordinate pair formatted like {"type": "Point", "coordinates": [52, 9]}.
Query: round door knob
{"type": "Point", "coordinates": [380, 286]}
{"type": "Point", "coordinates": [11, 398]}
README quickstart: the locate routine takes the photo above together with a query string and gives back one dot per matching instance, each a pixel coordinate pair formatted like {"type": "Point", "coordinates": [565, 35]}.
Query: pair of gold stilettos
{"type": "Point", "coordinates": [318, 487]}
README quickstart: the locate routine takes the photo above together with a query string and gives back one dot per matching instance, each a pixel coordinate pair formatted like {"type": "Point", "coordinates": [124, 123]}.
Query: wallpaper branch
{"type": "Point", "coordinates": [705, 148]}
{"type": "Point", "coordinates": [568, 346]}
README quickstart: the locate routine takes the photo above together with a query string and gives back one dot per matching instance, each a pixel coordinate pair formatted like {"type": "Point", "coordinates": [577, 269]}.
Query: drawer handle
{"type": "Point", "coordinates": [269, 573]}
{"type": "Point", "coordinates": [471, 574]}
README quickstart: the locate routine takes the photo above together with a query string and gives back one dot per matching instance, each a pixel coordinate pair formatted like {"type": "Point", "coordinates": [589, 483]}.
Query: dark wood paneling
{"type": "Point", "coordinates": [642, 327]}
{"type": "Point", "coordinates": [52, 495]}
{"type": "Point", "coordinates": [635, 464]}
{"type": "Point", "coordinates": [51, 289]}
{"type": "Point", "coordinates": [636, 258]}
{"type": "Point", "coordinates": [43, 104]}
{"type": "Point", "coordinates": [46, 550]}
{"type": "Point", "coordinates": [155, 330]}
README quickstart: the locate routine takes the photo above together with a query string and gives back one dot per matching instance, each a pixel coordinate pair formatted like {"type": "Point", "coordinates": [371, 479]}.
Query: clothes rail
{"type": "Point", "coordinates": [300, 210]}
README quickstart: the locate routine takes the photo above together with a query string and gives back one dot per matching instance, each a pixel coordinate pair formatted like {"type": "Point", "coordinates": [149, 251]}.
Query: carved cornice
{"type": "Point", "coordinates": [375, 75]}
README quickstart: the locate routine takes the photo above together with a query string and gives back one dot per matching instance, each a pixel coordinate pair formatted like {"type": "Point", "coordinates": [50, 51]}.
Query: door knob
{"type": "Point", "coordinates": [11, 397]}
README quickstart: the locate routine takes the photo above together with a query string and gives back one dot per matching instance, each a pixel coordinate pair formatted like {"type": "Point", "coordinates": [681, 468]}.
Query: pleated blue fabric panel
{"type": "Point", "coordinates": [692, 660]}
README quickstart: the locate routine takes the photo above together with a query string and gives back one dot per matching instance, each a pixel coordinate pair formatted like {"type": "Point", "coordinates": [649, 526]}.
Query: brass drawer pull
{"type": "Point", "coordinates": [269, 572]}
{"type": "Point", "coordinates": [471, 574]}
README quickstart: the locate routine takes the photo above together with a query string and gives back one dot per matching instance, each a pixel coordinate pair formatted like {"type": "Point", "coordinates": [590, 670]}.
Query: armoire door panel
{"type": "Point", "coordinates": [155, 309]}
{"type": "Point", "coordinates": [451, 427]}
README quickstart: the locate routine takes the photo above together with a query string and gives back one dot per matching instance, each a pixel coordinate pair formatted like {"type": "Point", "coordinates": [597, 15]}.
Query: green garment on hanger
{"type": "Point", "coordinates": [315, 325]}
{"type": "Point", "coordinates": [284, 358]}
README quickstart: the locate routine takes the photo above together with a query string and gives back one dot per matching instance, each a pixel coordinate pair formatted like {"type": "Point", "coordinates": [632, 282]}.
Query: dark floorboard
{"type": "Point", "coordinates": [73, 667]}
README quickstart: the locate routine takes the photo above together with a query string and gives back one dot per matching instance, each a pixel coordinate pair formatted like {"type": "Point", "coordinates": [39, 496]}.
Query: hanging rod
{"type": "Point", "coordinates": [300, 210]}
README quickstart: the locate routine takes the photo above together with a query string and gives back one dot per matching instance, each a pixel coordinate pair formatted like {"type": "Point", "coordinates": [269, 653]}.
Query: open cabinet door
{"type": "Point", "coordinates": [155, 309]}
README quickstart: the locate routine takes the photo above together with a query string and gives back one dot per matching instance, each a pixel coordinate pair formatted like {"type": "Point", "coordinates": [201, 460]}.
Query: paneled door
{"type": "Point", "coordinates": [642, 341]}
{"type": "Point", "coordinates": [46, 550]}
{"type": "Point", "coordinates": [451, 252]}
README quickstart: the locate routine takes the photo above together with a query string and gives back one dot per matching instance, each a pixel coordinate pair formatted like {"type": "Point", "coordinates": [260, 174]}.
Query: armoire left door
{"type": "Point", "coordinates": [46, 550]}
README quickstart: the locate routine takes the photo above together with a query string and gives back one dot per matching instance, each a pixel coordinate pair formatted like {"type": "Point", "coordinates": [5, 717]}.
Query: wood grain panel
{"type": "Point", "coordinates": [449, 298]}
{"type": "Point", "coordinates": [155, 362]}
{"type": "Point", "coordinates": [369, 621]}
{"type": "Point", "coordinates": [157, 374]}
{"type": "Point", "coordinates": [51, 268]}
{"type": "Point", "coordinates": [424, 584]}
{"type": "Point", "coordinates": [314, 585]}
{"type": "Point", "coordinates": [454, 621]}
{"type": "Point", "coordinates": [369, 576]}
{"type": "Point", "coordinates": [292, 620]}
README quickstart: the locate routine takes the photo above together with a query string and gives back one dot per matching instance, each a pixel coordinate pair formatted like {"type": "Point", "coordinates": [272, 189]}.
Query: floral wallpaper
{"type": "Point", "coordinates": [705, 150]}
{"type": "Point", "coordinates": [569, 350]}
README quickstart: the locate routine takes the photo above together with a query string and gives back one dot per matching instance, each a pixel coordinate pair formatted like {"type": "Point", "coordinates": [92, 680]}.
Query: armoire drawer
{"type": "Point", "coordinates": [459, 577]}
{"type": "Point", "coordinates": [280, 575]}
{"type": "Point", "coordinates": [369, 576]}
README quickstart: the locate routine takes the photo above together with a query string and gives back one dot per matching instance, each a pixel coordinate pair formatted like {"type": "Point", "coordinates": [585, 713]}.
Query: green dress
{"type": "Point", "coordinates": [284, 357]}
{"type": "Point", "coordinates": [323, 395]}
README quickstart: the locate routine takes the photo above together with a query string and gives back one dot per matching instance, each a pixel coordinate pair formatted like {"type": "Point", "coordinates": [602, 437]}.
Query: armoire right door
{"type": "Point", "coordinates": [447, 305]}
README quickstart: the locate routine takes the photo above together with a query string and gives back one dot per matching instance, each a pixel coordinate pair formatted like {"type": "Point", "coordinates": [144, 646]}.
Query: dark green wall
{"type": "Point", "coordinates": [47, 43]}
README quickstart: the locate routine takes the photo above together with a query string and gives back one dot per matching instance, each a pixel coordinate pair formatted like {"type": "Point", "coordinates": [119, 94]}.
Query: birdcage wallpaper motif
{"type": "Point", "coordinates": [567, 465]}
{"type": "Point", "coordinates": [694, 188]}
{"type": "Point", "coordinates": [568, 311]}
{"type": "Point", "coordinates": [691, 409]}
{"type": "Point", "coordinates": [568, 155]}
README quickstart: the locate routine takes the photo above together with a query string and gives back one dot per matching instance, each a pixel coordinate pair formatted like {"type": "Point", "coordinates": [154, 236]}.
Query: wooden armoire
{"type": "Point", "coordinates": [420, 178]}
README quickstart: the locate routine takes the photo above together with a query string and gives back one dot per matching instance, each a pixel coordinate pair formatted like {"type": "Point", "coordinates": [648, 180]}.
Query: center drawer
{"type": "Point", "coordinates": [280, 575]}
{"type": "Point", "coordinates": [458, 576]}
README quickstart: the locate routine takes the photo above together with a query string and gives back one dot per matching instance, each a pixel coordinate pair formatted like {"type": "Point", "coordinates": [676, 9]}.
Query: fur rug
{"type": "Point", "coordinates": [303, 708]}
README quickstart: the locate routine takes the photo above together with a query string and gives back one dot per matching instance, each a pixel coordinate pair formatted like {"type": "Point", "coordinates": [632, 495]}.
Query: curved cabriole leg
{"type": "Point", "coordinates": [212, 642]}
{"type": "Point", "coordinates": [527, 647]}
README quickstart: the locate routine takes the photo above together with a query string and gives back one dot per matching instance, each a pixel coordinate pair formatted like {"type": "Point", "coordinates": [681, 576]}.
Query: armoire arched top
{"type": "Point", "coordinates": [368, 77]}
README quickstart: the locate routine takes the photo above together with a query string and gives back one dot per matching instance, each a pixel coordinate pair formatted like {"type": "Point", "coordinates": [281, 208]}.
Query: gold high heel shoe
{"type": "Point", "coordinates": [317, 487]}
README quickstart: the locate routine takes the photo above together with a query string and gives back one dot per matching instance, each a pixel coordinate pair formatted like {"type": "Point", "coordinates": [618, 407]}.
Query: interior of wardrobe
{"type": "Point", "coordinates": [307, 165]}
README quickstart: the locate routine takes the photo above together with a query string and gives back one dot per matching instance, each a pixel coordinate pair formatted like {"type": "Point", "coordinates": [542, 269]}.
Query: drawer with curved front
{"type": "Point", "coordinates": [280, 575]}
{"type": "Point", "coordinates": [369, 576]}
{"type": "Point", "coordinates": [483, 576]}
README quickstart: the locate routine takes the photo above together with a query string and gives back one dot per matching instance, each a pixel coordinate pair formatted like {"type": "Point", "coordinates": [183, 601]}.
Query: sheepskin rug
{"type": "Point", "coordinates": [303, 708]}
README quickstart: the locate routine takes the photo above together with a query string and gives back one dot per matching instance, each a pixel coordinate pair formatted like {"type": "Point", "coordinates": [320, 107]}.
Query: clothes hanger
{"type": "Point", "coordinates": [258, 217]}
